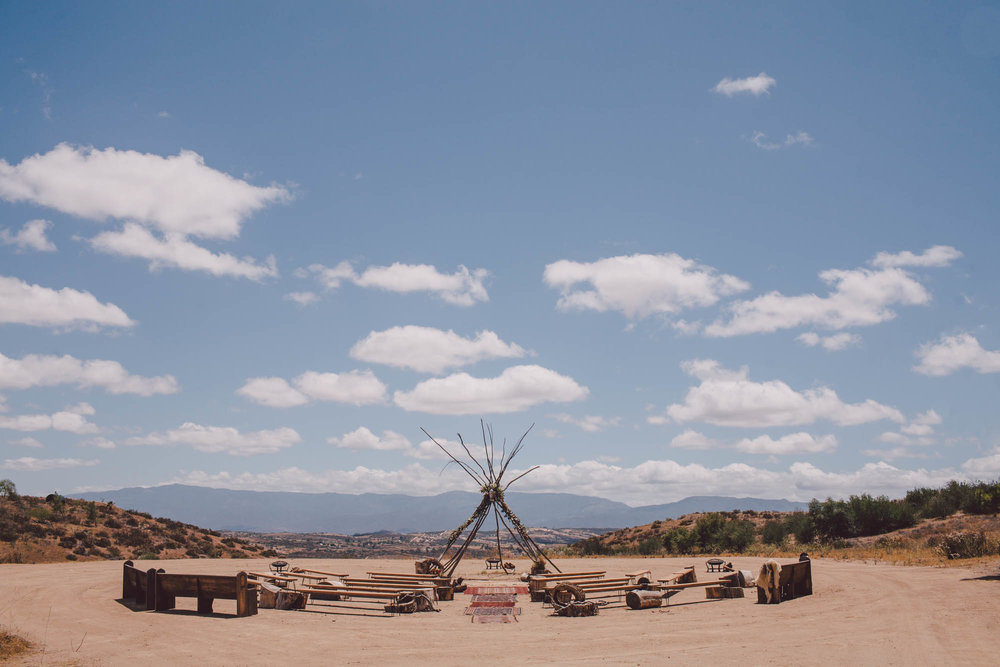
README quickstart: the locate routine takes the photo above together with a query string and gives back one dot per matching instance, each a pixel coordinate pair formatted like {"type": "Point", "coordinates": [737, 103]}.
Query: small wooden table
{"type": "Point", "coordinates": [493, 563]}
{"type": "Point", "coordinates": [715, 564]}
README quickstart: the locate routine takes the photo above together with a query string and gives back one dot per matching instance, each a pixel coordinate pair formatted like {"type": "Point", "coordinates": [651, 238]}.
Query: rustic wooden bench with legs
{"type": "Point", "coordinates": [206, 588]}
{"type": "Point", "coordinates": [793, 581]}
{"type": "Point", "coordinates": [137, 585]}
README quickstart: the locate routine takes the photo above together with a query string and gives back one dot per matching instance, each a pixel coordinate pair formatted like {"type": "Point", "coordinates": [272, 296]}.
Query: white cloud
{"type": "Point", "coordinates": [760, 140]}
{"type": "Point", "coordinates": [175, 250]}
{"type": "Point", "coordinates": [72, 420]}
{"type": "Point", "coordinates": [919, 431]}
{"type": "Point", "coordinates": [427, 451]}
{"type": "Point", "coordinates": [691, 439]}
{"type": "Point", "coordinates": [462, 288]}
{"type": "Point", "coordinates": [832, 343]}
{"type": "Point", "coordinates": [753, 85]}
{"type": "Point", "coordinates": [36, 370]}
{"type": "Point", "coordinates": [353, 388]}
{"type": "Point", "coordinates": [273, 392]}
{"type": "Point", "coordinates": [431, 350]}
{"type": "Point", "coordinates": [922, 424]}
{"type": "Point", "coordinates": [34, 305]}
{"type": "Point", "coordinates": [588, 423]}
{"type": "Point", "coordinates": [936, 256]}
{"type": "Point", "coordinates": [903, 440]}
{"type": "Point", "coordinates": [100, 442]}
{"type": "Point", "coordinates": [984, 468]}
{"type": "Point", "coordinates": [517, 388]}
{"type": "Point", "coordinates": [302, 298]}
{"type": "Point", "coordinates": [894, 453]}
{"type": "Point", "coordinates": [27, 442]}
{"type": "Point", "coordinates": [793, 443]}
{"type": "Point", "coordinates": [177, 194]}
{"type": "Point", "coordinates": [31, 237]}
{"type": "Point", "coordinates": [362, 438]}
{"type": "Point", "coordinates": [639, 285]}
{"type": "Point", "coordinates": [953, 353]}
{"type": "Point", "coordinates": [650, 482]}
{"type": "Point", "coordinates": [31, 464]}
{"type": "Point", "coordinates": [221, 439]}
{"type": "Point", "coordinates": [729, 398]}
{"type": "Point", "coordinates": [859, 297]}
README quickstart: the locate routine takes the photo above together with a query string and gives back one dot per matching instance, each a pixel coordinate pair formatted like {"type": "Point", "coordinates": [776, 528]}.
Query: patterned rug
{"type": "Point", "coordinates": [510, 597]}
{"type": "Point", "coordinates": [492, 611]}
{"type": "Point", "coordinates": [476, 618]}
{"type": "Point", "coordinates": [496, 590]}
{"type": "Point", "coordinates": [494, 604]}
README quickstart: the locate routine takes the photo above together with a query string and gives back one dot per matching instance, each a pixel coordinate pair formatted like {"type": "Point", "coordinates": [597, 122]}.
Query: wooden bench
{"type": "Point", "coordinates": [137, 585]}
{"type": "Point", "coordinates": [206, 588]}
{"type": "Point", "coordinates": [794, 581]}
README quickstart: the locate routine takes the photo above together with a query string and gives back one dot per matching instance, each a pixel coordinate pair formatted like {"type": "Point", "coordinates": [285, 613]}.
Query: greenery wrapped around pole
{"type": "Point", "coordinates": [489, 477]}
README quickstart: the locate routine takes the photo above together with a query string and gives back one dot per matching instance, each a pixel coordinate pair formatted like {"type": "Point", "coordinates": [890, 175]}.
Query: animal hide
{"type": "Point", "coordinates": [767, 580]}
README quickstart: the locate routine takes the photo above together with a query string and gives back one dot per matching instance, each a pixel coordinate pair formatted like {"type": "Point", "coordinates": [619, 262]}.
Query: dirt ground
{"type": "Point", "coordinates": [860, 613]}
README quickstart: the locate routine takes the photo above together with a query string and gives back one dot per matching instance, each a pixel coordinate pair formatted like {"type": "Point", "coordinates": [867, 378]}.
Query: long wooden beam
{"type": "Point", "coordinates": [567, 575]}
{"type": "Point", "coordinates": [327, 574]}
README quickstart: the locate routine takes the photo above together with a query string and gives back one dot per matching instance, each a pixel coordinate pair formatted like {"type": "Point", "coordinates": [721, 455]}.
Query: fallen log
{"type": "Point", "coordinates": [720, 592]}
{"type": "Point", "coordinates": [644, 599]}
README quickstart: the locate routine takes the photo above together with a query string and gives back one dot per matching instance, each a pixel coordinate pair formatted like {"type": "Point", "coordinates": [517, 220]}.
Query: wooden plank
{"type": "Point", "coordinates": [326, 574]}
{"type": "Point", "coordinates": [305, 575]}
{"type": "Point", "coordinates": [567, 575]}
{"type": "Point", "coordinates": [354, 593]}
{"type": "Point", "coordinates": [272, 577]}
{"type": "Point", "coordinates": [694, 584]}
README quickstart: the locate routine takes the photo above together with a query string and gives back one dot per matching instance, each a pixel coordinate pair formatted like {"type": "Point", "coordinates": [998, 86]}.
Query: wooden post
{"type": "Point", "coordinates": [128, 585]}
{"type": "Point", "coordinates": [246, 596]}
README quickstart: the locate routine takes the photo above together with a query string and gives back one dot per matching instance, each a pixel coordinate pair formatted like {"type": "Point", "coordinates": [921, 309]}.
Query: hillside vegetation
{"type": "Point", "coordinates": [58, 529]}
{"type": "Point", "coordinates": [958, 520]}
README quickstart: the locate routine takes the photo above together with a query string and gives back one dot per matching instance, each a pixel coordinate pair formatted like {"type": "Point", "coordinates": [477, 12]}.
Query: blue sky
{"type": "Point", "coordinates": [704, 248]}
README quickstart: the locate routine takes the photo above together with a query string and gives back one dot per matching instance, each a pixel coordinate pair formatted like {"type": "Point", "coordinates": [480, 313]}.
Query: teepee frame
{"type": "Point", "coordinates": [490, 480]}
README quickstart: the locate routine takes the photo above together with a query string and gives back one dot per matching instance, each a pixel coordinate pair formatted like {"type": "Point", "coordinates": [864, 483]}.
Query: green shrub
{"type": "Point", "coordinates": [41, 513]}
{"type": "Point", "coordinates": [967, 545]}
{"type": "Point", "coordinates": [773, 532]}
{"type": "Point", "coordinates": [801, 526]}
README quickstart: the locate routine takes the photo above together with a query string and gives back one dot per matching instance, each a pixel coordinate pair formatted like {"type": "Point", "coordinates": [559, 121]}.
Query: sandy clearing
{"type": "Point", "coordinates": [861, 613]}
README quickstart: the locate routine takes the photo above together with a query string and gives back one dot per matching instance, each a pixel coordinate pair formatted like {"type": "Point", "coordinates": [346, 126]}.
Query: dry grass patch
{"type": "Point", "coordinates": [12, 645]}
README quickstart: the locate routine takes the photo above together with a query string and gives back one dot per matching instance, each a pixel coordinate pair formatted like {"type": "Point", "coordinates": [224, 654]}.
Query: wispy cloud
{"type": "Point", "coordinates": [30, 237]}
{"type": "Point", "coordinates": [462, 288]}
{"type": "Point", "coordinates": [751, 85]}
{"type": "Point", "coordinates": [760, 140]}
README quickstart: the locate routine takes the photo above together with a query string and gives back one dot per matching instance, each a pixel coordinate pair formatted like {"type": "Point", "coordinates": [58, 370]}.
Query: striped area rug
{"type": "Point", "coordinates": [496, 590]}
{"type": "Point", "coordinates": [494, 604]}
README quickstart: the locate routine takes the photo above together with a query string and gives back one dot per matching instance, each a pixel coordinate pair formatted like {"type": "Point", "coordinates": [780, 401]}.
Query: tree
{"type": "Point", "coordinates": [8, 489]}
{"type": "Point", "coordinates": [92, 513]}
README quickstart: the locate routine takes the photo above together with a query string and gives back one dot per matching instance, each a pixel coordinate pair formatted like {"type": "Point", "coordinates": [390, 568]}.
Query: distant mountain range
{"type": "Point", "coordinates": [348, 514]}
